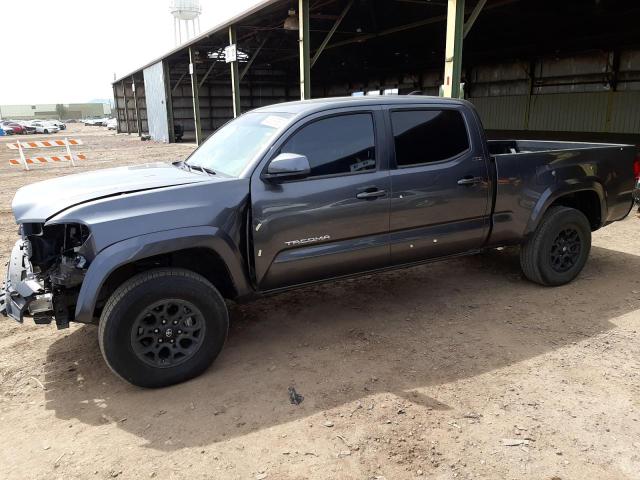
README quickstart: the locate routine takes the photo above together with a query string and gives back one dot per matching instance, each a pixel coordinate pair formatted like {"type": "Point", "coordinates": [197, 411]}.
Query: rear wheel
{"type": "Point", "coordinates": [163, 327]}
{"type": "Point", "coordinates": [558, 249]}
{"type": "Point", "coordinates": [46, 131]}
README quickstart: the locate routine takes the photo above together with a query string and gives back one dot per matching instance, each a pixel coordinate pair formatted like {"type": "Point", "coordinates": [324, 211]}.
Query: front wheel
{"type": "Point", "coordinates": [163, 327]}
{"type": "Point", "coordinates": [558, 249]}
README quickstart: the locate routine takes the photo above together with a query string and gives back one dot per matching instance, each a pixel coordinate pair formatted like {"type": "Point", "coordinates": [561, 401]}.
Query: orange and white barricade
{"type": "Point", "coordinates": [41, 144]}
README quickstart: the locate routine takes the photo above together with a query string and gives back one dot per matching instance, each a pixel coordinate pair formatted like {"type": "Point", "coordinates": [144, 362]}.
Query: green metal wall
{"type": "Point", "coordinates": [612, 112]}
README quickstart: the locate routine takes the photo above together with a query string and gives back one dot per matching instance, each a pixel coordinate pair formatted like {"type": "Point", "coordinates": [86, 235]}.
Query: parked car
{"type": "Point", "coordinates": [59, 124]}
{"type": "Point", "coordinates": [96, 122]}
{"type": "Point", "coordinates": [7, 130]}
{"type": "Point", "coordinates": [28, 128]}
{"type": "Point", "coordinates": [112, 124]}
{"type": "Point", "coordinates": [292, 194]}
{"type": "Point", "coordinates": [2, 134]}
{"type": "Point", "coordinates": [15, 127]}
{"type": "Point", "coordinates": [44, 127]}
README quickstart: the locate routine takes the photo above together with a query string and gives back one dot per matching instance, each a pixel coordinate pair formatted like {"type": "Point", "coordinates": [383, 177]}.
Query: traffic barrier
{"type": "Point", "coordinates": [66, 143]}
{"type": "Point", "coordinates": [53, 159]}
{"type": "Point", "coordinates": [44, 144]}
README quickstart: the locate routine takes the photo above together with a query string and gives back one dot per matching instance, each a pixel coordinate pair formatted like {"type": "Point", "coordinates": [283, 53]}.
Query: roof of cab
{"type": "Point", "coordinates": [320, 104]}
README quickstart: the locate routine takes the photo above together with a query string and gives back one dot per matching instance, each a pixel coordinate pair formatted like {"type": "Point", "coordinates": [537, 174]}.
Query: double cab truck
{"type": "Point", "coordinates": [292, 194]}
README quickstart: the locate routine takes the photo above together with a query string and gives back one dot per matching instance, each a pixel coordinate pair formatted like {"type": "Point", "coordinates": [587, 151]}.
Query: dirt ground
{"type": "Point", "coordinates": [460, 369]}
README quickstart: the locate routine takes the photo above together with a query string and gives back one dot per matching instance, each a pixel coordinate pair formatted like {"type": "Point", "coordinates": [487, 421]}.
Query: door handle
{"type": "Point", "coordinates": [371, 194]}
{"type": "Point", "coordinates": [469, 180]}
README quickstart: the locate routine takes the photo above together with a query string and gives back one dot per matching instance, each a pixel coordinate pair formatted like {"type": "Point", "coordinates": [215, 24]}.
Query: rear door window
{"type": "Point", "coordinates": [427, 136]}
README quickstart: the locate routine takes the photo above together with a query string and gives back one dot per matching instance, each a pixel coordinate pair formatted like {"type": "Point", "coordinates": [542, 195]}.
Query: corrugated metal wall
{"type": "Point", "coordinates": [580, 93]}
{"type": "Point", "coordinates": [155, 102]}
{"type": "Point", "coordinates": [502, 113]}
{"type": "Point", "coordinates": [625, 110]}
{"type": "Point", "coordinates": [611, 112]}
{"type": "Point", "coordinates": [583, 93]}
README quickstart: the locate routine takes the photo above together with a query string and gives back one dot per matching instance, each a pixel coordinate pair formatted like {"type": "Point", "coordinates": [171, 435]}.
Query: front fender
{"type": "Point", "coordinates": [145, 246]}
{"type": "Point", "coordinates": [551, 194]}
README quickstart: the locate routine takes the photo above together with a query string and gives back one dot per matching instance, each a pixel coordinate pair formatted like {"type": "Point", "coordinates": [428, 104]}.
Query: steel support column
{"type": "Point", "coordinates": [235, 75]}
{"type": "Point", "coordinates": [135, 104]}
{"type": "Point", "coordinates": [168, 100]}
{"type": "Point", "coordinates": [115, 103]}
{"type": "Point", "coordinates": [305, 51]}
{"type": "Point", "coordinates": [126, 108]}
{"type": "Point", "coordinates": [195, 94]}
{"type": "Point", "coordinates": [453, 49]}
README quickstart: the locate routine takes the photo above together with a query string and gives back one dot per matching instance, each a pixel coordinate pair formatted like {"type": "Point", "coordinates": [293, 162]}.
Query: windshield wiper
{"type": "Point", "coordinates": [206, 170]}
{"type": "Point", "coordinates": [182, 165]}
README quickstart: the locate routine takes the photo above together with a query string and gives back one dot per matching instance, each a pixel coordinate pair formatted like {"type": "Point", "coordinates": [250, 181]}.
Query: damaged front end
{"type": "Point", "coordinates": [45, 271]}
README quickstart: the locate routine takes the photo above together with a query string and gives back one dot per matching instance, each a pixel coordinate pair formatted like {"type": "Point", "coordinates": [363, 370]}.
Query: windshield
{"type": "Point", "coordinates": [233, 147]}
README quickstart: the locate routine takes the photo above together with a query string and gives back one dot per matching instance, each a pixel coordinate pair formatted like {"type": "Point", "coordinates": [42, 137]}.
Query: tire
{"type": "Point", "coordinates": [46, 131]}
{"type": "Point", "coordinates": [558, 249]}
{"type": "Point", "coordinates": [163, 327]}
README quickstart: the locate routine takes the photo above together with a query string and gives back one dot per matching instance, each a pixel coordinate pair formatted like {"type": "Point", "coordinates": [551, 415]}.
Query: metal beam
{"type": "Point", "coordinates": [173, 90]}
{"type": "Point", "coordinates": [235, 76]}
{"type": "Point", "coordinates": [331, 32]}
{"type": "Point", "coordinates": [126, 109]}
{"type": "Point", "coordinates": [473, 17]}
{"type": "Point", "coordinates": [253, 57]}
{"type": "Point", "coordinates": [195, 94]}
{"type": "Point", "coordinates": [453, 49]}
{"type": "Point", "coordinates": [204, 78]}
{"type": "Point", "coordinates": [135, 104]}
{"type": "Point", "coordinates": [305, 40]}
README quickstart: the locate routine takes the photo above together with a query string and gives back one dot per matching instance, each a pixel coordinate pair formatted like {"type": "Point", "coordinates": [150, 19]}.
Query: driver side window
{"type": "Point", "coordinates": [342, 144]}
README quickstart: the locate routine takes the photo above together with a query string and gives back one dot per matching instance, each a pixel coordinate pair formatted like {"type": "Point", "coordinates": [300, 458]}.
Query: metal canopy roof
{"type": "Point", "coordinates": [384, 36]}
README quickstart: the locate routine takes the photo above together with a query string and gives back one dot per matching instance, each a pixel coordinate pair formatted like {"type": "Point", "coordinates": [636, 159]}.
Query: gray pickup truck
{"type": "Point", "coordinates": [292, 194]}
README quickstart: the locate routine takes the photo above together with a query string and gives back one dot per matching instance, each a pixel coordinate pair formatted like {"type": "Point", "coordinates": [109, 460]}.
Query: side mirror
{"type": "Point", "coordinates": [287, 166]}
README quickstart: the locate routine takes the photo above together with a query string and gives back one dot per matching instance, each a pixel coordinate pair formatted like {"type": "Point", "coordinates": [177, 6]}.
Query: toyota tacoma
{"type": "Point", "coordinates": [292, 194]}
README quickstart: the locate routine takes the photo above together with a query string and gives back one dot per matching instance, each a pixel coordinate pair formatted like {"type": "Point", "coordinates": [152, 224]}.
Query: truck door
{"type": "Point", "coordinates": [333, 222]}
{"type": "Point", "coordinates": [440, 201]}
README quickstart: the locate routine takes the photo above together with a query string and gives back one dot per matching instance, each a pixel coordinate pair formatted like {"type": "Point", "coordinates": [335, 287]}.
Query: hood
{"type": "Point", "coordinates": [39, 201]}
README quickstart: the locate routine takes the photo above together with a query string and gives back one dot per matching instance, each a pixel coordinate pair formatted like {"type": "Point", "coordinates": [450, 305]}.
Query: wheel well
{"type": "Point", "coordinates": [202, 261]}
{"type": "Point", "coordinates": [587, 201]}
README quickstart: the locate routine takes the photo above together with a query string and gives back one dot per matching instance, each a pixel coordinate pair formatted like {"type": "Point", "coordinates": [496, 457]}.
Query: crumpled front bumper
{"type": "Point", "coordinates": [22, 292]}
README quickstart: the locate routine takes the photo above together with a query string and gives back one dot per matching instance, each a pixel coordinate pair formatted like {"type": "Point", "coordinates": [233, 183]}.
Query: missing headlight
{"type": "Point", "coordinates": [50, 242]}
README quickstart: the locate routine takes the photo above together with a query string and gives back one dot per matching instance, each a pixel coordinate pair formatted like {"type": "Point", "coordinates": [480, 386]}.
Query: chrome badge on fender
{"type": "Point", "coordinates": [303, 241]}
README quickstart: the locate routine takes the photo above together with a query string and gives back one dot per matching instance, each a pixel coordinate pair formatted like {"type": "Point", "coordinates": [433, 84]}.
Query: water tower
{"type": "Point", "coordinates": [185, 13]}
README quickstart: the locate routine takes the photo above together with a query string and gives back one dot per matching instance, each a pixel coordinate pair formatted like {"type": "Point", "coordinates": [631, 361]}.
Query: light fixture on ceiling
{"type": "Point", "coordinates": [292, 22]}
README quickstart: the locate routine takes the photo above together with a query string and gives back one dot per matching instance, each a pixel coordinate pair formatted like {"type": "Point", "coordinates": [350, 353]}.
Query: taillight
{"type": "Point", "coordinates": [636, 167]}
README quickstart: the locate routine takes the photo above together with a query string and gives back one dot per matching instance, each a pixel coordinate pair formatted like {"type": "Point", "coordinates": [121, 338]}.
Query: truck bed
{"type": "Point", "coordinates": [531, 173]}
{"type": "Point", "coordinates": [503, 147]}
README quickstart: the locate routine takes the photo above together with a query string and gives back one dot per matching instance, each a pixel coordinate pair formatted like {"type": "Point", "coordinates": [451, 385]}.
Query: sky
{"type": "Point", "coordinates": [68, 51]}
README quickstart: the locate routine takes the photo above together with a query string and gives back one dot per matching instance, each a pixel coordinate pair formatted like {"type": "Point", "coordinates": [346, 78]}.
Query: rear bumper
{"type": "Point", "coordinates": [22, 292]}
